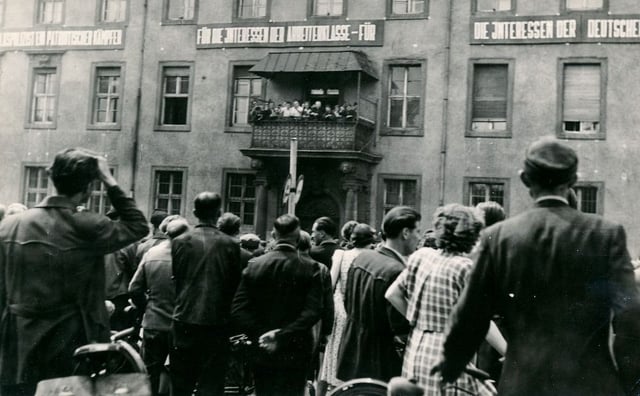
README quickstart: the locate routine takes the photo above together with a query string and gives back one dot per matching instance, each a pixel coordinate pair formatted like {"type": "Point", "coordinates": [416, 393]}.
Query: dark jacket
{"type": "Point", "coordinates": [555, 275]}
{"type": "Point", "coordinates": [323, 253]}
{"type": "Point", "coordinates": [280, 290]}
{"type": "Point", "coordinates": [367, 348]}
{"type": "Point", "coordinates": [206, 269]}
{"type": "Point", "coordinates": [52, 283]}
{"type": "Point", "coordinates": [119, 268]}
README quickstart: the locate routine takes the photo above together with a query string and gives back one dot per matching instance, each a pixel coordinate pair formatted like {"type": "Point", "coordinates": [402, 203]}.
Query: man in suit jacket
{"type": "Point", "coordinates": [206, 269]}
{"type": "Point", "coordinates": [368, 347]}
{"type": "Point", "coordinates": [324, 235]}
{"type": "Point", "coordinates": [556, 276]}
{"type": "Point", "coordinates": [278, 302]}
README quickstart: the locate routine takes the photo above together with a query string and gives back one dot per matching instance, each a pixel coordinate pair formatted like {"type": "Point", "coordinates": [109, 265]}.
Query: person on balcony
{"type": "Point", "coordinates": [315, 111]}
{"type": "Point", "coordinates": [328, 114]}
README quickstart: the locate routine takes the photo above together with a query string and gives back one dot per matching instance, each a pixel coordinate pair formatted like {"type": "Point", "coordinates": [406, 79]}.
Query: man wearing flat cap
{"type": "Point", "coordinates": [562, 280]}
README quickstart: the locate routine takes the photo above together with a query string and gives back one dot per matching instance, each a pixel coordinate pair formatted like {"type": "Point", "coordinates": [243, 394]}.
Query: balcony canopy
{"type": "Point", "coordinates": [314, 62]}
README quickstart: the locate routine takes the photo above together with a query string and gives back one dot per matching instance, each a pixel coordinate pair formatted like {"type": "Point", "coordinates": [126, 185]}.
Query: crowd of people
{"type": "Point", "coordinates": [541, 290]}
{"type": "Point", "coordinates": [303, 110]}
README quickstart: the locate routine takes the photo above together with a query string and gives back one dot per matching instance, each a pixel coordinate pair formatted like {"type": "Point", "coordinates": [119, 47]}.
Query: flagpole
{"type": "Point", "coordinates": [293, 164]}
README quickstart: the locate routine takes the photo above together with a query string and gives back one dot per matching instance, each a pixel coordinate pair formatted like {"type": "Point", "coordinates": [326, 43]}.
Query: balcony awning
{"type": "Point", "coordinates": [314, 62]}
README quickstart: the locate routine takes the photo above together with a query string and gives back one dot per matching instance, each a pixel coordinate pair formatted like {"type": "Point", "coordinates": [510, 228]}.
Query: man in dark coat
{"type": "Point", "coordinates": [278, 302]}
{"type": "Point", "coordinates": [368, 348]}
{"type": "Point", "coordinates": [557, 276]}
{"type": "Point", "coordinates": [324, 234]}
{"type": "Point", "coordinates": [206, 269]}
{"type": "Point", "coordinates": [52, 292]}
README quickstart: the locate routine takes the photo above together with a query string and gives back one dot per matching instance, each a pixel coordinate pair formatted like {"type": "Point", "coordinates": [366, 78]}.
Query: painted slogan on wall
{"type": "Point", "coordinates": [556, 29]}
{"type": "Point", "coordinates": [76, 38]}
{"type": "Point", "coordinates": [290, 34]}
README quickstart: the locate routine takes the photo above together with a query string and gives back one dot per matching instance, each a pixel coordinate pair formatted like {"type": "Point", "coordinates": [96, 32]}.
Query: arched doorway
{"type": "Point", "coordinates": [311, 207]}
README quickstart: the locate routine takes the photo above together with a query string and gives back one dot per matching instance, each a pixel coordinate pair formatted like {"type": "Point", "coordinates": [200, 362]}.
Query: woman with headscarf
{"type": "Point", "coordinates": [362, 237]}
{"type": "Point", "coordinates": [426, 291]}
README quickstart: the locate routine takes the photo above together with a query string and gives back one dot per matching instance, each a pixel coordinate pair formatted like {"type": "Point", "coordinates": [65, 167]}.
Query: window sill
{"type": "Point", "coordinates": [41, 126]}
{"type": "Point", "coordinates": [172, 128]}
{"type": "Point", "coordinates": [112, 24]}
{"type": "Point", "coordinates": [96, 127]}
{"type": "Point", "coordinates": [506, 134]}
{"type": "Point", "coordinates": [238, 129]}
{"type": "Point", "coordinates": [324, 17]}
{"type": "Point", "coordinates": [569, 12]}
{"type": "Point", "coordinates": [582, 135]}
{"type": "Point", "coordinates": [493, 13]}
{"type": "Point", "coordinates": [406, 16]}
{"type": "Point", "coordinates": [415, 132]}
{"type": "Point", "coordinates": [170, 22]}
{"type": "Point", "coordinates": [249, 19]}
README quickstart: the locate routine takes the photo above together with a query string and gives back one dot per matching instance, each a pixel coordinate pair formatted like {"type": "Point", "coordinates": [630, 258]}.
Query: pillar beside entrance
{"type": "Point", "coordinates": [353, 182]}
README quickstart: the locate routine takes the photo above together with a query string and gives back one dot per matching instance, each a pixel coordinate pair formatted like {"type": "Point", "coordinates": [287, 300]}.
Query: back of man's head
{"type": "Point", "coordinates": [73, 170]}
{"type": "Point", "coordinates": [327, 225]}
{"type": "Point", "coordinates": [549, 163]}
{"type": "Point", "coordinates": [206, 206]}
{"type": "Point", "coordinates": [287, 227]}
{"type": "Point", "coordinates": [304, 243]}
{"type": "Point", "coordinates": [397, 219]}
{"type": "Point", "coordinates": [177, 227]}
{"type": "Point", "coordinates": [229, 224]}
{"type": "Point", "coordinates": [493, 212]}
{"type": "Point", "coordinates": [157, 217]}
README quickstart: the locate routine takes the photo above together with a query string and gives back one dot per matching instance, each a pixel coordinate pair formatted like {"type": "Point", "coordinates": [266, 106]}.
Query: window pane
{"type": "Point", "coordinates": [400, 7]}
{"type": "Point", "coordinates": [184, 84]}
{"type": "Point", "coordinates": [493, 5]}
{"type": "Point", "coordinates": [392, 196]}
{"type": "Point", "coordinates": [395, 113]}
{"type": "Point", "coordinates": [397, 81]}
{"type": "Point", "coordinates": [581, 93]}
{"type": "Point", "coordinates": [256, 86]}
{"type": "Point", "coordinates": [175, 111]}
{"type": "Point", "coordinates": [181, 9]}
{"type": "Point", "coordinates": [587, 199]}
{"type": "Point", "coordinates": [414, 81]}
{"type": "Point", "coordinates": [234, 207]}
{"type": "Point", "coordinates": [409, 193]}
{"type": "Point", "coordinates": [171, 85]}
{"type": "Point", "coordinates": [413, 112]}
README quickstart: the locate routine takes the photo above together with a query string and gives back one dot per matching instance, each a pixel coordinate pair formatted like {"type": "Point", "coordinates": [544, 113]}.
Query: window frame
{"type": "Point", "coordinates": [508, 132]}
{"type": "Point", "coordinates": [505, 181]}
{"type": "Point", "coordinates": [226, 172]}
{"type": "Point", "coordinates": [235, 17]}
{"type": "Point", "coordinates": [37, 15]}
{"type": "Point", "coordinates": [381, 184]}
{"type": "Point", "coordinates": [565, 10]}
{"type": "Point", "coordinates": [386, 130]}
{"type": "Point", "coordinates": [602, 132]}
{"type": "Point", "coordinates": [229, 127]}
{"type": "Point", "coordinates": [99, 13]}
{"type": "Point", "coordinates": [599, 194]}
{"type": "Point", "coordinates": [183, 193]}
{"type": "Point", "coordinates": [311, 5]}
{"type": "Point", "coordinates": [158, 125]}
{"type": "Point", "coordinates": [34, 70]}
{"type": "Point", "coordinates": [91, 125]}
{"type": "Point", "coordinates": [23, 185]}
{"type": "Point", "coordinates": [424, 14]}
{"type": "Point", "coordinates": [474, 9]}
{"type": "Point", "coordinates": [167, 21]}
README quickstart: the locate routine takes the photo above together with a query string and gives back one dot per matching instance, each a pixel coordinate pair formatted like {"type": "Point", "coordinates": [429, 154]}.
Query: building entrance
{"type": "Point", "coordinates": [313, 206]}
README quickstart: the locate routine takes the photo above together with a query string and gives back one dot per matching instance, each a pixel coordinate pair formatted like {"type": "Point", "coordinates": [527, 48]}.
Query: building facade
{"type": "Point", "coordinates": [448, 95]}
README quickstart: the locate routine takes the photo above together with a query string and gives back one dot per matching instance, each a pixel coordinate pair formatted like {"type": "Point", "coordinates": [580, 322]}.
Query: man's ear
{"type": "Point", "coordinates": [406, 232]}
{"type": "Point", "coordinates": [524, 178]}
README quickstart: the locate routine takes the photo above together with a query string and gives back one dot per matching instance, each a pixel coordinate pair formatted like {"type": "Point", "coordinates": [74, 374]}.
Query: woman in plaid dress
{"type": "Point", "coordinates": [427, 290]}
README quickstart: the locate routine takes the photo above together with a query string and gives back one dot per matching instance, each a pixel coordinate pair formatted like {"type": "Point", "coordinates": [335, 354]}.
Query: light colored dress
{"type": "Point", "coordinates": [329, 369]}
{"type": "Point", "coordinates": [432, 283]}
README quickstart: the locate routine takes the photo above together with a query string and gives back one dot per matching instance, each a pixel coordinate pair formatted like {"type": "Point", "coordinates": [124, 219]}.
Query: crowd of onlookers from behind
{"type": "Point", "coordinates": [269, 110]}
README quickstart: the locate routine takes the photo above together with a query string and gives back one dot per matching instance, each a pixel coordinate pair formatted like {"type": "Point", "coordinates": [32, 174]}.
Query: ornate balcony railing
{"type": "Point", "coordinates": [313, 135]}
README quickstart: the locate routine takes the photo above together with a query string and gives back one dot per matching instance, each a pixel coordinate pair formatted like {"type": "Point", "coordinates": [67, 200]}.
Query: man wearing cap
{"type": "Point", "coordinates": [557, 277]}
{"type": "Point", "coordinates": [157, 217]}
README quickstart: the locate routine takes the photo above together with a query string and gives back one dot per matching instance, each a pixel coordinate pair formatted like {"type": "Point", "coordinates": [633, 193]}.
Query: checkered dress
{"type": "Point", "coordinates": [432, 283]}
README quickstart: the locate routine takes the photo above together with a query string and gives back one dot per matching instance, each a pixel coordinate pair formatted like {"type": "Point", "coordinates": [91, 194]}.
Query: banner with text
{"type": "Point", "coordinates": [556, 29]}
{"type": "Point", "coordinates": [76, 38]}
{"type": "Point", "coordinates": [291, 34]}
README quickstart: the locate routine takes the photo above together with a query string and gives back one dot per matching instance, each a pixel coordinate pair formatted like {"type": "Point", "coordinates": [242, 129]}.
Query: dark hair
{"type": "Point", "coordinates": [429, 239]}
{"type": "Point", "coordinates": [347, 229]}
{"type": "Point", "coordinates": [304, 243]}
{"type": "Point", "coordinates": [327, 225]}
{"type": "Point", "coordinates": [362, 235]}
{"type": "Point", "coordinates": [73, 170]}
{"type": "Point", "coordinates": [286, 224]}
{"type": "Point", "coordinates": [207, 205]}
{"type": "Point", "coordinates": [399, 218]}
{"type": "Point", "coordinates": [157, 216]}
{"type": "Point", "coordinates": [493, 212]}
{"type": "Point", "coordinates": [229, 223]}
{"type": "Point", "coordinates": [457, 228]}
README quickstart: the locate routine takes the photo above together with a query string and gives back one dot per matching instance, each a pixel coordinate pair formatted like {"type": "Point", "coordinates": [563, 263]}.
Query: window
{"type": "Point", "coordinates": [168, 191]}
{"type": "Point", "coordinates": [180, 10]}
{"type": "Point", "coordinates": [477, 190]}
{"type": "Point", "coordinates": [113, 10]}
{"type": "Point", "coordinates": [2, 4]}
{"type": "Point", "coordinates": [408, 7]}
{"type": "Point", "coordinates": [106, 97]}
{"type": "Point", "coordinates": [589, 197]}
{"type": "Point", "coordinates": [240, 196]}
{"type": "Point", "coordinates": [36, 185]}
{"type": "Point", "coordinates": [493, 5]}
{"type": "Point", "coordinates": [584, 5]}
{"type": "Point", "coordinates": [582, 100]}
{"type": "Point", "coordinates": [99, 202]}
{"type": "Point", "coordinates": [404, 96]}
{"type": "Point", "coordinates": [247, 87]}
{"type": "Point", "coordinates": [50, 11]}
{"type": "Point", "coordinates": [252, 8]}
{"type": "Point", "coordinates": [490, 99]}
{"type": "Point", "coordinates": [175, 102]}
{"type": "Point", "coordinates": [396, 190]}
{"type": "Point", "coordinates": [43, 97]}
{"type": "Point", "coordinates": [328, 7]}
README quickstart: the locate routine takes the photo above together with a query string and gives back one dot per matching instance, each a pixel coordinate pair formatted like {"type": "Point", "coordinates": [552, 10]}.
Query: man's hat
{"type": "Point", "coordinates": [549, 162]}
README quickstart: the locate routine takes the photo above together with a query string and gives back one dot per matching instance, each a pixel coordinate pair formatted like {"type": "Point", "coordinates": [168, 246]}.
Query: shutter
{"type": "Point", "coordinates": [581, 96]}
{"type": "Point", "coordinates": [490, 84]}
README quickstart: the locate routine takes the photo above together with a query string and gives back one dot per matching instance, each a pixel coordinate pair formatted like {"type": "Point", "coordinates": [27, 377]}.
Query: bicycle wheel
{"type": "Point", "coordinates": [361, 387]}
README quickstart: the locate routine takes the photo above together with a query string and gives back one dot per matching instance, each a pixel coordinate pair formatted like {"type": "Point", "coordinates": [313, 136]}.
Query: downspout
{"type": "Point", "coordinates": [136, 125]}
{"type": "Point", "coordinates": [445, 104]}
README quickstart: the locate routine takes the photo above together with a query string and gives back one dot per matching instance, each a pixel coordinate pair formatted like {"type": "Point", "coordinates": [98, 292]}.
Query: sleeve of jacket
{"type": "Point", "coordinates": [470, 318]}
{"type": "Point", "coordinates": [109, 236]}
{"type": "Point", "coordinates": [311, 312]}
{"type": "Point", "coordinates": [328, 309]}
{"type": "Point", "coordinates": [243, 317]}
{"type": "Point", "coordinates": [138, 286]}
{"type": "Point", "coordinates": [626, 310]}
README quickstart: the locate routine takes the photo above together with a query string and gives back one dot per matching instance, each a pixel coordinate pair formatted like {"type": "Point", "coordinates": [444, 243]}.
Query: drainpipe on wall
{"type": "Point", "coordinates": [445, 104]}
{"type": "Point", "coordinates": [136, 125]}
